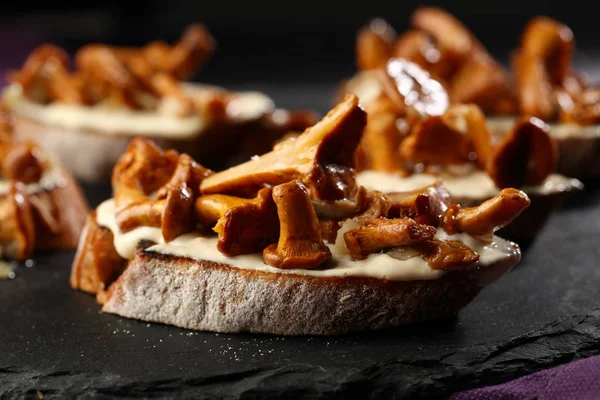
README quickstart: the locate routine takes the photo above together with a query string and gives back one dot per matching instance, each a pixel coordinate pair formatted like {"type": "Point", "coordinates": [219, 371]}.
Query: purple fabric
{"type": "Point", "coordinates": [576, 380]}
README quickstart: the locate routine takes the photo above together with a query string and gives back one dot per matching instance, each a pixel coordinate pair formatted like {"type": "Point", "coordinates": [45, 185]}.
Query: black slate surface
{"type": "Point", "coordinates": [55, 343]}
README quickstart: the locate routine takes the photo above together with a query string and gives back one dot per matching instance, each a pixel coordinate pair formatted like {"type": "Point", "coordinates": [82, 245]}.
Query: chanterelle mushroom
{"type": "Point", "coordinates": [300, 243]}
{"type": "Point", "coordinates": [382, 233]}
{"type": "Point", "coordinates": [482, 221]}
{"type": "Point", "coordinates": [17, 231]}
{"type": "Point", "coordinates": [425, 206]}
{"type": "Point", "coordinates": [321, 158]}
{"type": "Point", "coordinates": [526, 156]}
{"type": "Point", "coordinates": [447, 254]}
{"type": "Point", "coordinates": [145, 169]}
{"type": "Point", "coordinates": [22, 161]}
{"type": "Point", "coordinates": [244, 225]}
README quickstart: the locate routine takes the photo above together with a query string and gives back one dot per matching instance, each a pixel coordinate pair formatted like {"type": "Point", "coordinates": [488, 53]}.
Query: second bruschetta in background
{"type": "Point", "coordinates": [415, 137]}
{"type": "Point", "coordinates": [541, 81]}
{"type": "Point", "coordinates": [87, 116]}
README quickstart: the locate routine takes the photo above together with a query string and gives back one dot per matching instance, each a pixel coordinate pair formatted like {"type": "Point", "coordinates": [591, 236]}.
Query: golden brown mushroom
{"type": "Point", "coordinates": [447, 254]}
{"type": "Point", "coordinates": [383, 233]}
{"type": "Point", "coordinates": [526, 156]}
{"type": "Point", "coordinates": [432, 141]}
{"type": "Point", "coordinates": [144, 169]}
{"type": "Point", "coordinates": [485, 219]}
{"type": "Point", "coordinates": [45, 76]}
{"type": "Point", "coordinates": [300, 243]}
{"type": "Point", "coordinates": [17, 230]}
{"type": "Point", "coordinates": [183, 58]}
{"type": "Point", "coordinates": [374, 44]}
{"type": "Point", "coordinates": [22, 162]}
{"type": "Point", "coordinates": [455, 41]}
{"type": "Point", "coordinates": [425, 206]}
{"type": "Point", "coordinates": [322, 158]}
{"type": "Point", "coordinates": [244, 225]}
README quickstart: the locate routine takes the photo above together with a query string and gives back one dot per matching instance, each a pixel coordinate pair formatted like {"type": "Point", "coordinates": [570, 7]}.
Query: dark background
{"type": "Point", "coordinates": [278, 42]}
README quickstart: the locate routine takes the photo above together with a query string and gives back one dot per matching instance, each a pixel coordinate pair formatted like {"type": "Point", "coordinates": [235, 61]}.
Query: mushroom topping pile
{"type": "Point", "coordinates": [547, 86]}
{"type": "Point", "coordinates": [451, 136]}
{"type": "Point", "coordinates": [137, 78]}
{"type": "Point", "coordinates": [20, 211]}
{"type": "Point", "coordinates": [445, 48]}
{"type": "Point", "coordinates": [295, 204]}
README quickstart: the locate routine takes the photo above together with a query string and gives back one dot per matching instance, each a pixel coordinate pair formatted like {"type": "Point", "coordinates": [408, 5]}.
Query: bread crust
{"type": "Point", "coordinates": [97, 264]}
{"type": "Point", "coordinates": [209, 296]}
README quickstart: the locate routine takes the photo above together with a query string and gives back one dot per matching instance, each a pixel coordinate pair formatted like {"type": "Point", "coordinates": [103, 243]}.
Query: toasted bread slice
{"type": "Point", "coordinates": [211, 296]}
{"type": "Point", "coordinates": [472, 190]}
{"type": "Point", "coordinates": [213, 139]}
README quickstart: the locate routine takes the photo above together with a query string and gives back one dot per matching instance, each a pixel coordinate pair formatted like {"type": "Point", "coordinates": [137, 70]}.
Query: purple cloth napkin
{"type": "Point", "coordinates": [576, 380]}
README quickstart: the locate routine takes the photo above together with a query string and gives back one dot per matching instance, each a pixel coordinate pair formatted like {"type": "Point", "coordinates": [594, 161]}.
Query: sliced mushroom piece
{"type": "Point", "coordinates": [552, 43]}
{"type": "Point", "coordinates": [22, 162]}
{"type": "Point", "coordinates": [383, 233]}
{"type": "Point", "coordinates": [526, 156]}
{"type": "Point", "coordinates": [145, 169]}
{"type": "Point", "coordinates": [470, 120]}
{"type": "Point", "coordinates": [45, 211]}
{"type": "Point", "coordinates": [450, 34]}
{"type": "Point", "coordinates": [375, 205]}
{"type": "Point", "coordinates": [485, 219]}
{"type": "Point", "coordinates": [432, 141]}
{"type": "Point", "coordinates": [480, 80]}
{"type": "Point", "coordinates": [341, 209]}
{"type": "Point", "coordinates": [419, 47]}
{"type": "Point", "coordinates": [141, 170]}
{"type": "Point", "coordinates": [411, 87]}
{"type": "Point", "coordinates": [45, 76]}
{"type": "Point", "coordinates": [244, 226]}
{"type": "Point", "coordinates": [374, 44]}
{"type": "Point", "coordinates": [585, 108]}
{"type": "Point", "coordinates": [447, 254]}
{"type": "Point", "coordinates": [425, 206]}
{"type": "Point", "coordinates": [533, 87]}
{"type": "Point", "coordinates": [17, 230]}
{"type": "Point", "coordinates": [322, 158]}
{"type": "Point", "coordinates": [382, 136]}
{"type": "Point", "coordinates": [183, 58]}
{"type": "Point", "coordinates": [300, 243]}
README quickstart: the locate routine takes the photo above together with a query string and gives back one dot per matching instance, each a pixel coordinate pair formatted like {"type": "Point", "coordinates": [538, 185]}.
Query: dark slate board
{"type": "Point", "coordinates": [546, 311]}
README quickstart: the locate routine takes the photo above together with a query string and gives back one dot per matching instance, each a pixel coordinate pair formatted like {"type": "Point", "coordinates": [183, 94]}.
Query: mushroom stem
{"type": "Point", "coordinates": [300, 243]}
{"type": "Point", "coordinates": [489, 216]}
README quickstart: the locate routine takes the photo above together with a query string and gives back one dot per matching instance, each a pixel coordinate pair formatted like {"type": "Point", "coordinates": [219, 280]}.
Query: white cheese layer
{"type": "Point", "coordinates": [245, 106]}
{"type": "Point", "coordinates": [379, 265]}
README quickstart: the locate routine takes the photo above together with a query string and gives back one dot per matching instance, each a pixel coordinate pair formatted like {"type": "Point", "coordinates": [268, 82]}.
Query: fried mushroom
{"type": "Point", "coordinates": [244, 226]}
{"type": "Point", "coordinates": [485, 219]}
{"type": "Point", "coordinates": [321, 158]}
{"type": "Point", "coordinates": [384, 233]}
{"type": "Point", "coordinates": [300, 243]}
